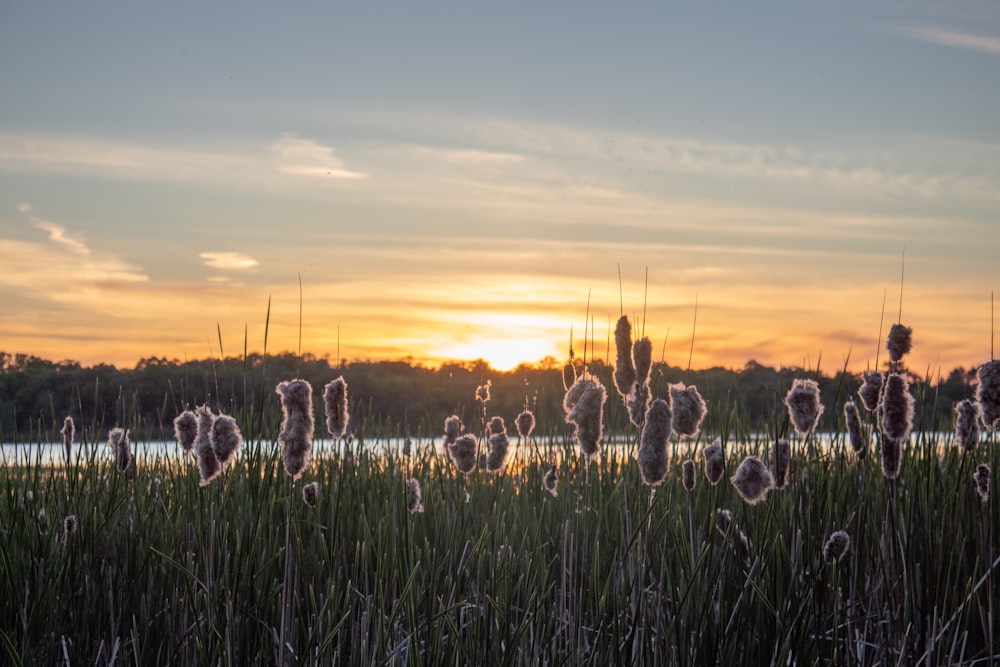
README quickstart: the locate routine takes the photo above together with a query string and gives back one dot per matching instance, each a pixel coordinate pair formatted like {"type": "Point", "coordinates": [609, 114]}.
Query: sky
{"type": "Point", "coordinates": [768, 181]}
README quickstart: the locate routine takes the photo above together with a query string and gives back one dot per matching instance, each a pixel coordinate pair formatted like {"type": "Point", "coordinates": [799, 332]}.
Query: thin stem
{"type": "Point", "coordinates": [621, 297]}
{"type": "Point", "coordinates": [694, 326]}
{"type": "Point", "coordinates": [645, 297]}
{"type": "Point", "coordinates": [902, 268]}
{"type": "Point", "coordinates": [881, 323]}
{"type": "Point", "coordinates": [287, 594]}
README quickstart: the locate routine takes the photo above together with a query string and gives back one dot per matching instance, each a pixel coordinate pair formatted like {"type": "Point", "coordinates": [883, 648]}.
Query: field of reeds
{"type": "Point", "coordinates": [536, 555]}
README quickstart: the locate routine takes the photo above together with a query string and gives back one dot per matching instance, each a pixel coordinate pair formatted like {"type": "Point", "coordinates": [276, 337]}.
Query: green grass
{"type": "Point", "coordinates": [598, 574]}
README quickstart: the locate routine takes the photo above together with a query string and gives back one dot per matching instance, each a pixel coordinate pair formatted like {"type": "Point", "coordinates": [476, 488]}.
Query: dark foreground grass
{"type": "Point", "coordinates": [496, 570]}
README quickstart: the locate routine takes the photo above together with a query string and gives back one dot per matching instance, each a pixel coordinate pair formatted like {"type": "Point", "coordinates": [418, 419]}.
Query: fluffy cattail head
{"type": "Point", "coordinates": [186, 430]}
{"type": "Point", "coordinates": [70, 525]}
{"type": "Point", "coordinates": [122, 448]}
{"type": "Point", "coordinates": [209, 466]}
{"type": "Point", "coordinates": [752, 480]}
{"type": "Point", "coordinates": [896, 408]}
{"type": "Point", "coordinates": [335, 404]}
{"type": "Point", "coordinates": [836, 546]}
{"type": "Point", "coordinates": [310, 494]}
{"type": "Point", "coordinates": [870, 390]}
{"type": "Point", "coordinates": [43, 521]}
{"type": "Point", "coordinates": [483, 392]}
{"type": "Point", "coordinates": [226, 438]}
{"type": "Point", "coordinates": [715, 462]}
{"type": "Point", "coordinates": [496, 425]}
{"type": "Point", "coordinates": [575, 393]}
{"type": "Point", "coordinates": [588, 415]}
{"type": "Point", "coordinates": [781, 460]}
{"type": "Point", "coordinates": [856, 432]}
{"type": "Point", "coordinates": [624, 376]}
{"type": "Point", "coordinates": [569, 376]}
{"type": "Point", "coordinates": [688, 475]}
{"type": "Point", "coordinates": [982, 479]}
{"type": "Point", "coordinates": [413, 498]}
{"type": "Point", "coordinates": [653, 458]}
{"type": "Point", "coordinates": [499, 446]}
{"type": "Point", "coordinates": [899, 342]}
{"type": "Point", "coordinates": [525, 423]}
{"type": "Point", "coordinates": [967, 417]}
{"type": "Point", "coordinates": [452, 429]}
{"type": "Point", "coordinates": [723, 520]}
{"type": "Point", "coordinates": [988, 393]}
{"type": "Point", "coordinates": [689, 409]}
{"type": "Point", "coordinates": [297, 425]}
{"type": "Point", "coordinates": [892, 457]}
{"type": "Point", "coordinates": [463, 452]}
{"type": "Point", "coordinates": [642, 356]}
{"type": "Point", "coordinates": [550, 481]}
{"type": "Point", "coordinates": [68, 432]}
{"type": "Point", "coordinates": [804, 406]}
{"type": "Point", "coordinates": [637, 403]}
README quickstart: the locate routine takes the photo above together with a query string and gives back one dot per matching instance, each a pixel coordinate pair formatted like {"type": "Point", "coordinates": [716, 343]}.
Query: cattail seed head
{"type": "Point", "coordinates": [186, 430]}
{"type": "Point", "coordinates": [226, 439]}
{"type": "Point", "coordinates": [525, 423]}
{"type": "Point", "coordinates": [653, 458]}
{"type": "Point", "coordinates": [781, 460]}
{"type": "Point", "coordinates": [870, 390]}
{"type": "Point", "coordinates": [208, 463]}
{"type": "Point", "coordinates": [43, 521]}
{"type": "Point", "coordinates": [967, 417]}
{"type": "Point", "coordinates": [297, 425]}
{"type": "Point", "coordinates": [550, 481]}
{"type": "Point", "coordinates": [122, 448]}
{"type": "Point", "coordinates": [496, 425]}
{"type": "Point", "coordinates": [575, 393]}
{"type": "Point", "coordinates": [70, 525]}
{"type": "Point", "coordinates": [804, 406]}
{"type": "Point", "coordinates": [892, 457]}
{"type": "Point", "coordinates": [688, 409]}
{"type": "Point", "coordinates": [413, 497]}
{"type": "Point", "coordinates": [856, 432]}
{"type": "Point", "coordinates": [624, 375]}
{"type": "Point", "coordinates": [68, 432]}
{"type": "Point", "coordinates": [463, 452]}
{"type": "Point", "coordinates": [982, 479]}
{"type": "Point", "coordinates": [499, 446]}
{"type": "Point", "coordinates": [310, 494]}
{"type": "Point", "coordinates": [588, 416]}
{"type": "Point", "coordinates": [836, 546]}
{"type": "Point", "coordinates": [642, 357]}
{"type": "Point", "coordinates": [752, 480]}
{"type": "Point", "coordinates": [723, 520]}
{"type": "Point", "coordinates": [897, 408]}
{"type": "Point", "coordinates": [899, 342]}
{"type": "Point", "coordinates": [688, 475]}
{"type": "Point", "coordinates": [483, 392]}
{"type": "Point", "coordinates": [452, 429]}
{"type": "Point", "coordinates": [715, 462]}
{"type": "Point", "coordinates": [335, 404]}
{"type": "Point", "coordinates": [637, 403]}
{"type": "Point", "coordinates": [988, 393]}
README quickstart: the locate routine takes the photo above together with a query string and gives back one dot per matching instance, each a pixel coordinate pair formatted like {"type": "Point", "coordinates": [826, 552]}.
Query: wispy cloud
{"type": "Point", "coordinates": [954, 38]}
{"type": "Point", "coordinates": [304, 157]}
{"type": "Point", "coordinates": [57, 233]}
{"type": "Point", "coordinates": [228, 261]}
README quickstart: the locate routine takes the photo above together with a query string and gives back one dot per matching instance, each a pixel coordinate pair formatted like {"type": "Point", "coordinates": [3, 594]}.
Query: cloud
{"type": "Point", "coordinates": [228, 261]}
{"type": "Point", "coordinates": [954, 38]}
{"type": "Point", "coordinates": [303, 157]}
{"type": "Point", "coordinates": [56, 232]}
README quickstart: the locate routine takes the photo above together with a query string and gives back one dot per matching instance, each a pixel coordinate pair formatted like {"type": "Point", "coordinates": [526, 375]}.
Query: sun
{"type": "Point", "coordinates": [502, 354]}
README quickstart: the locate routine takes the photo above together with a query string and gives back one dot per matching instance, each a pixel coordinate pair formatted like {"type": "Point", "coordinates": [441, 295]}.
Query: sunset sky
{"type": "Point", "coordinates": [453, 180]}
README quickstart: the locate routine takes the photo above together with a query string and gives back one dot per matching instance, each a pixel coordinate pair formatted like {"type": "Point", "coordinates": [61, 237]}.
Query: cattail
{"type": "Point", "coordinates": [689, 409]}
{"type": "Point", "coordinates": [483, 392]}
{"type": "Point", "coordinates": [715, 462]}
{"type": "Point", "coordinates": [186, 430]}
{"type": "Point", "coordinates": [525, 423]}
{"type": "Point", "coordinates": [43, 521]}
{"type": "Point", "coordinates": [855, 431]}
{"type": "Point", "coordinates": [463, 452]}
{"type": "Point", "coordinates": [897, 408]}
{"type": "Point", "coordinates": [624, 375]}
{"type": "Point", "coordinates": [588, 415]}
{"type": "Point", "coordinates": [899, 341]}
{"type": "Point", "coordinates": [550, 481]}
{"type": "Point", "coordinates": [208, 464]}
{"type": "Point", "coordinates": [653, 458]}
{"type": "Point", "coordinates": [781, 459]}
{"type": "Point", "coordinates": [642, 356]}
{"type": "Point", "coordinates": [310, 493]}
{"type": "Point", "coordinates": [637, 403]}
{"type": "Point", "coordinates": [982, 479]}
{"type": "Point", "coordinates": [497, 458]}
{"type": "Point", "coordinates": [68, 432]}
{"type": "Point", "coordinates": [226, 438]}
{"type": "Point", "coordinates": [122, 448]}
{"type": "Point", "coordinates": [967, 416]}
{"type": "Point", "coordinates": [892, 457]}
{"type": "Point", "coordinates": [452, 429]}
{"type": "Point", "coordinates": [70, 525]}
{"type": "Point", "coordinates": [29, 498]}
{"type": "Point", "coordinates": [335, 402]}
{"type": "Point", "coordinates": [688, 475]}
{"type": "Point", "coordinates": [836, 546]}
{"type": "Point", "coordinates": [988, 392]}
{"type": "Point", "coordinates": [804, 407]}
{"type": "Point", "coordinates": [870, 390]}
{"type": "Point", "coordinates": [496, 425]}
{"type": "Point", "coordinates": [569, 376]}
{"type": "Point", "coordinates": [297, 423]}
{"type": "Point", "coordinates": [752, 480]}
{"type": "Point", "coordinates": [575, 393]}
{"type": "Point", "coordinates": [723, 520]}
{"type": "Point", "coordinates": [413, 499]}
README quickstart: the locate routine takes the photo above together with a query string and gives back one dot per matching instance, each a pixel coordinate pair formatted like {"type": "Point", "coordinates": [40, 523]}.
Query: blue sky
{"type": "Point", "coordinates": [454, 180]}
